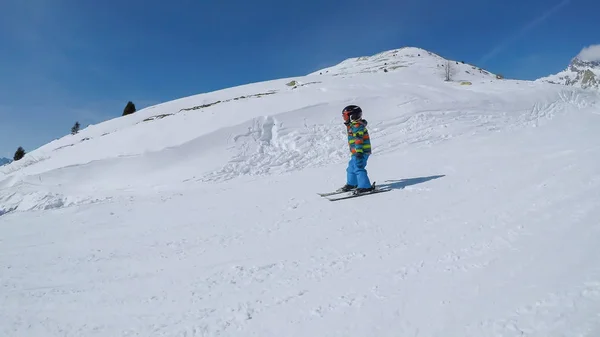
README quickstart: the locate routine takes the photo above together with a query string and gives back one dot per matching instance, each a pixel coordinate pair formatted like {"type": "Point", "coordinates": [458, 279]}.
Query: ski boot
{"type": "Point", "coordinates": [347, 188]}
{"type": "Point", "coordinates": [365, 190]}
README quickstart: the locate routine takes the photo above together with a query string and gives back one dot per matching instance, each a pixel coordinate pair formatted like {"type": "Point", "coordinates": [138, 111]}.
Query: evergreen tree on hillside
{"type": "Point", "coordinates": [19, 154]}
{"type": "Point", "coordinates": [129, 109]}
{"type": "Point", "coordinates": [75, 128]}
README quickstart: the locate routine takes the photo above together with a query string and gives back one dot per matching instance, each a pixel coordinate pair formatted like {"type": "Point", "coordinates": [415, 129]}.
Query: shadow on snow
{"type": "Point", "coordinates": [402, 183]}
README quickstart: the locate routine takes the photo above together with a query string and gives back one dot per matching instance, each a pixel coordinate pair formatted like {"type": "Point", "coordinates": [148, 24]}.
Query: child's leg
{"type": "Point", "coordinates": [351, 172]}
{"type": "Point", "coordinates": [361, 173]}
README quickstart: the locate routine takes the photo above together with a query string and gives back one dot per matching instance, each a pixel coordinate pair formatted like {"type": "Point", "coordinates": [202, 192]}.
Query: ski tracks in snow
{"type": "Point", "coordinates": [568, 100]}
{"type": "Point", "coordinates": [565, 311]}
{"type": "Point", "coordinates": [268, 147]}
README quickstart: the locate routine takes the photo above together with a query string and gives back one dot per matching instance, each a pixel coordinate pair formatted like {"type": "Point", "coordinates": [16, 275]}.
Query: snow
{"type": "Point", "coordinates": [408, 61]}
{"type": "Point", "coordinates": [206, 222]}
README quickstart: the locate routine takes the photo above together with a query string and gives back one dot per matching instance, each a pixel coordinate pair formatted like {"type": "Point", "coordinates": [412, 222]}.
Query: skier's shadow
{"type": "Point", "coordinates": [402, 183]}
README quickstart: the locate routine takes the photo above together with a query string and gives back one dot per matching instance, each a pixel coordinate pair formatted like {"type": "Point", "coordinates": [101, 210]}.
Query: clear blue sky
{"type": "Point", "coordinates": [68, 60]}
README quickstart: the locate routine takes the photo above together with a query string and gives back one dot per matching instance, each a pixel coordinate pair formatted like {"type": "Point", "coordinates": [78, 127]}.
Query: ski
{"type": "Point", "coordinates": [339, 191]}
{"type": "Point", "coordinates": [356, 195]}
{"type": "Point", "coordinates": [326, 194]}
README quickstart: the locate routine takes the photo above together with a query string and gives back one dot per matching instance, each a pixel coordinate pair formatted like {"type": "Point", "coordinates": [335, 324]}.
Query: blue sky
{"type": "Point", "coordinates": [68, 60]}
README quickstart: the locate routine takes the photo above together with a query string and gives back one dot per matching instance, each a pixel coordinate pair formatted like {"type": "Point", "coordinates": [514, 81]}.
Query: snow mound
{"type": "Point", "coordinates": [42, 201]}
{"type": "Point", "coordinates": [23, 197]}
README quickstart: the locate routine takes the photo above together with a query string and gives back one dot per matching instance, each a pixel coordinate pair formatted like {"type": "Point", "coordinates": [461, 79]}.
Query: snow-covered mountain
{"type": "Point", "coordinates": [4, 161]}
{"type": "Point", "coordinates": [200, 216]}
{"type": "Point", "coordinates": [580, 73]}
{"type": "Point", "coordinates": [417, 61]}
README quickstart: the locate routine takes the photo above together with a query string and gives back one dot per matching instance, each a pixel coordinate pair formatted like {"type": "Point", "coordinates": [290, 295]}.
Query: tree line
{"type": "Point", "coordinates": [128, 110]}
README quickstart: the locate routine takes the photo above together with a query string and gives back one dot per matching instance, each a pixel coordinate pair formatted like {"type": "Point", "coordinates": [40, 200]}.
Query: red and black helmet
{"type": "Point", "coordinates": [351, 113]}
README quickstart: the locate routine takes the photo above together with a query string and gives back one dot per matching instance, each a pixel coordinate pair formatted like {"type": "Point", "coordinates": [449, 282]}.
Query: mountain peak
{"type": "Point", "coordinates": [4, 161]}
{"type": "Point", "coordinates": [578, 63]}
{"type": "Point", "coordinates": [412, 59]}
{"type": "Point", "coordinates": [581, 72]}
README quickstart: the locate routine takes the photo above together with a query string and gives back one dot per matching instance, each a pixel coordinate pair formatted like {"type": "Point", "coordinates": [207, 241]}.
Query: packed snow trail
{"type": "Point", "coordinates": [493, 236]}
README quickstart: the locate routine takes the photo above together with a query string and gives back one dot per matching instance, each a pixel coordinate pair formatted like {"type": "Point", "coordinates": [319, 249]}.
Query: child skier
{"type": "Point", "coordinates": [360, 149]}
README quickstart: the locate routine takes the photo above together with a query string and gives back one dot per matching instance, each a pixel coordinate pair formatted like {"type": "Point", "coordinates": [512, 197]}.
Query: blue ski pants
{"type": "Point", "coordinates": [356, 174]}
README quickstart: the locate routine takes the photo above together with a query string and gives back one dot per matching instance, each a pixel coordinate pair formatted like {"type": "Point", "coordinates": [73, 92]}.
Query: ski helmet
{"type": "Point", "coordinates": [351, 113]}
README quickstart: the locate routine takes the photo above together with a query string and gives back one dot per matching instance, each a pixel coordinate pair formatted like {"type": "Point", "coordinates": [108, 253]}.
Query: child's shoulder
{"type": "Point", "coordinates": [361, 123]}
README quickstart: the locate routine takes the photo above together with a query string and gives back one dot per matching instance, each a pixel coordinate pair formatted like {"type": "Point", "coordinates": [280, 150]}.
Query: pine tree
{"type": "Point", "coordinates": [129, 108]}
{"type": "Point", "coordinates": [75, 128]}
{"type": "Point", "coordinates": [19, 154]}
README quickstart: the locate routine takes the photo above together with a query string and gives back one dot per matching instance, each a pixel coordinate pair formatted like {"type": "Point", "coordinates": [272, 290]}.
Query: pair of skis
{"type": "Point", "coordinates": [333, 196]}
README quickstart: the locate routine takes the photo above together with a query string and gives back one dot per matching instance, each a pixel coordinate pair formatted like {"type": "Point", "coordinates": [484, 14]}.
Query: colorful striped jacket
{"type": "Point", "coordinates": [358, 137]}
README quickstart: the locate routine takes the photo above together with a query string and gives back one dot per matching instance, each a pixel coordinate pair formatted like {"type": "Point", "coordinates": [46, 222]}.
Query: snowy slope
{"type": "Point", "coordinates": [199, 217]}
{"type": "Point", "coordinates": [409, 61]}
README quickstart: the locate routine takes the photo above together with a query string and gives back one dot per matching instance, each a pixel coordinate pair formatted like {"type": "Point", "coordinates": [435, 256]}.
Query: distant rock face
{"type": "Point", "coordinates": [4, 161]}
{"type": "Point", "coordinates": [579, 73]}
{"type": "Point", "coordinates": [582, 64]}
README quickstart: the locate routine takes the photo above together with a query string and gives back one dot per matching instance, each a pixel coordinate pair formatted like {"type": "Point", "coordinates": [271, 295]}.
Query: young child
{"type": "Point", "coordinates": [360, 148]}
